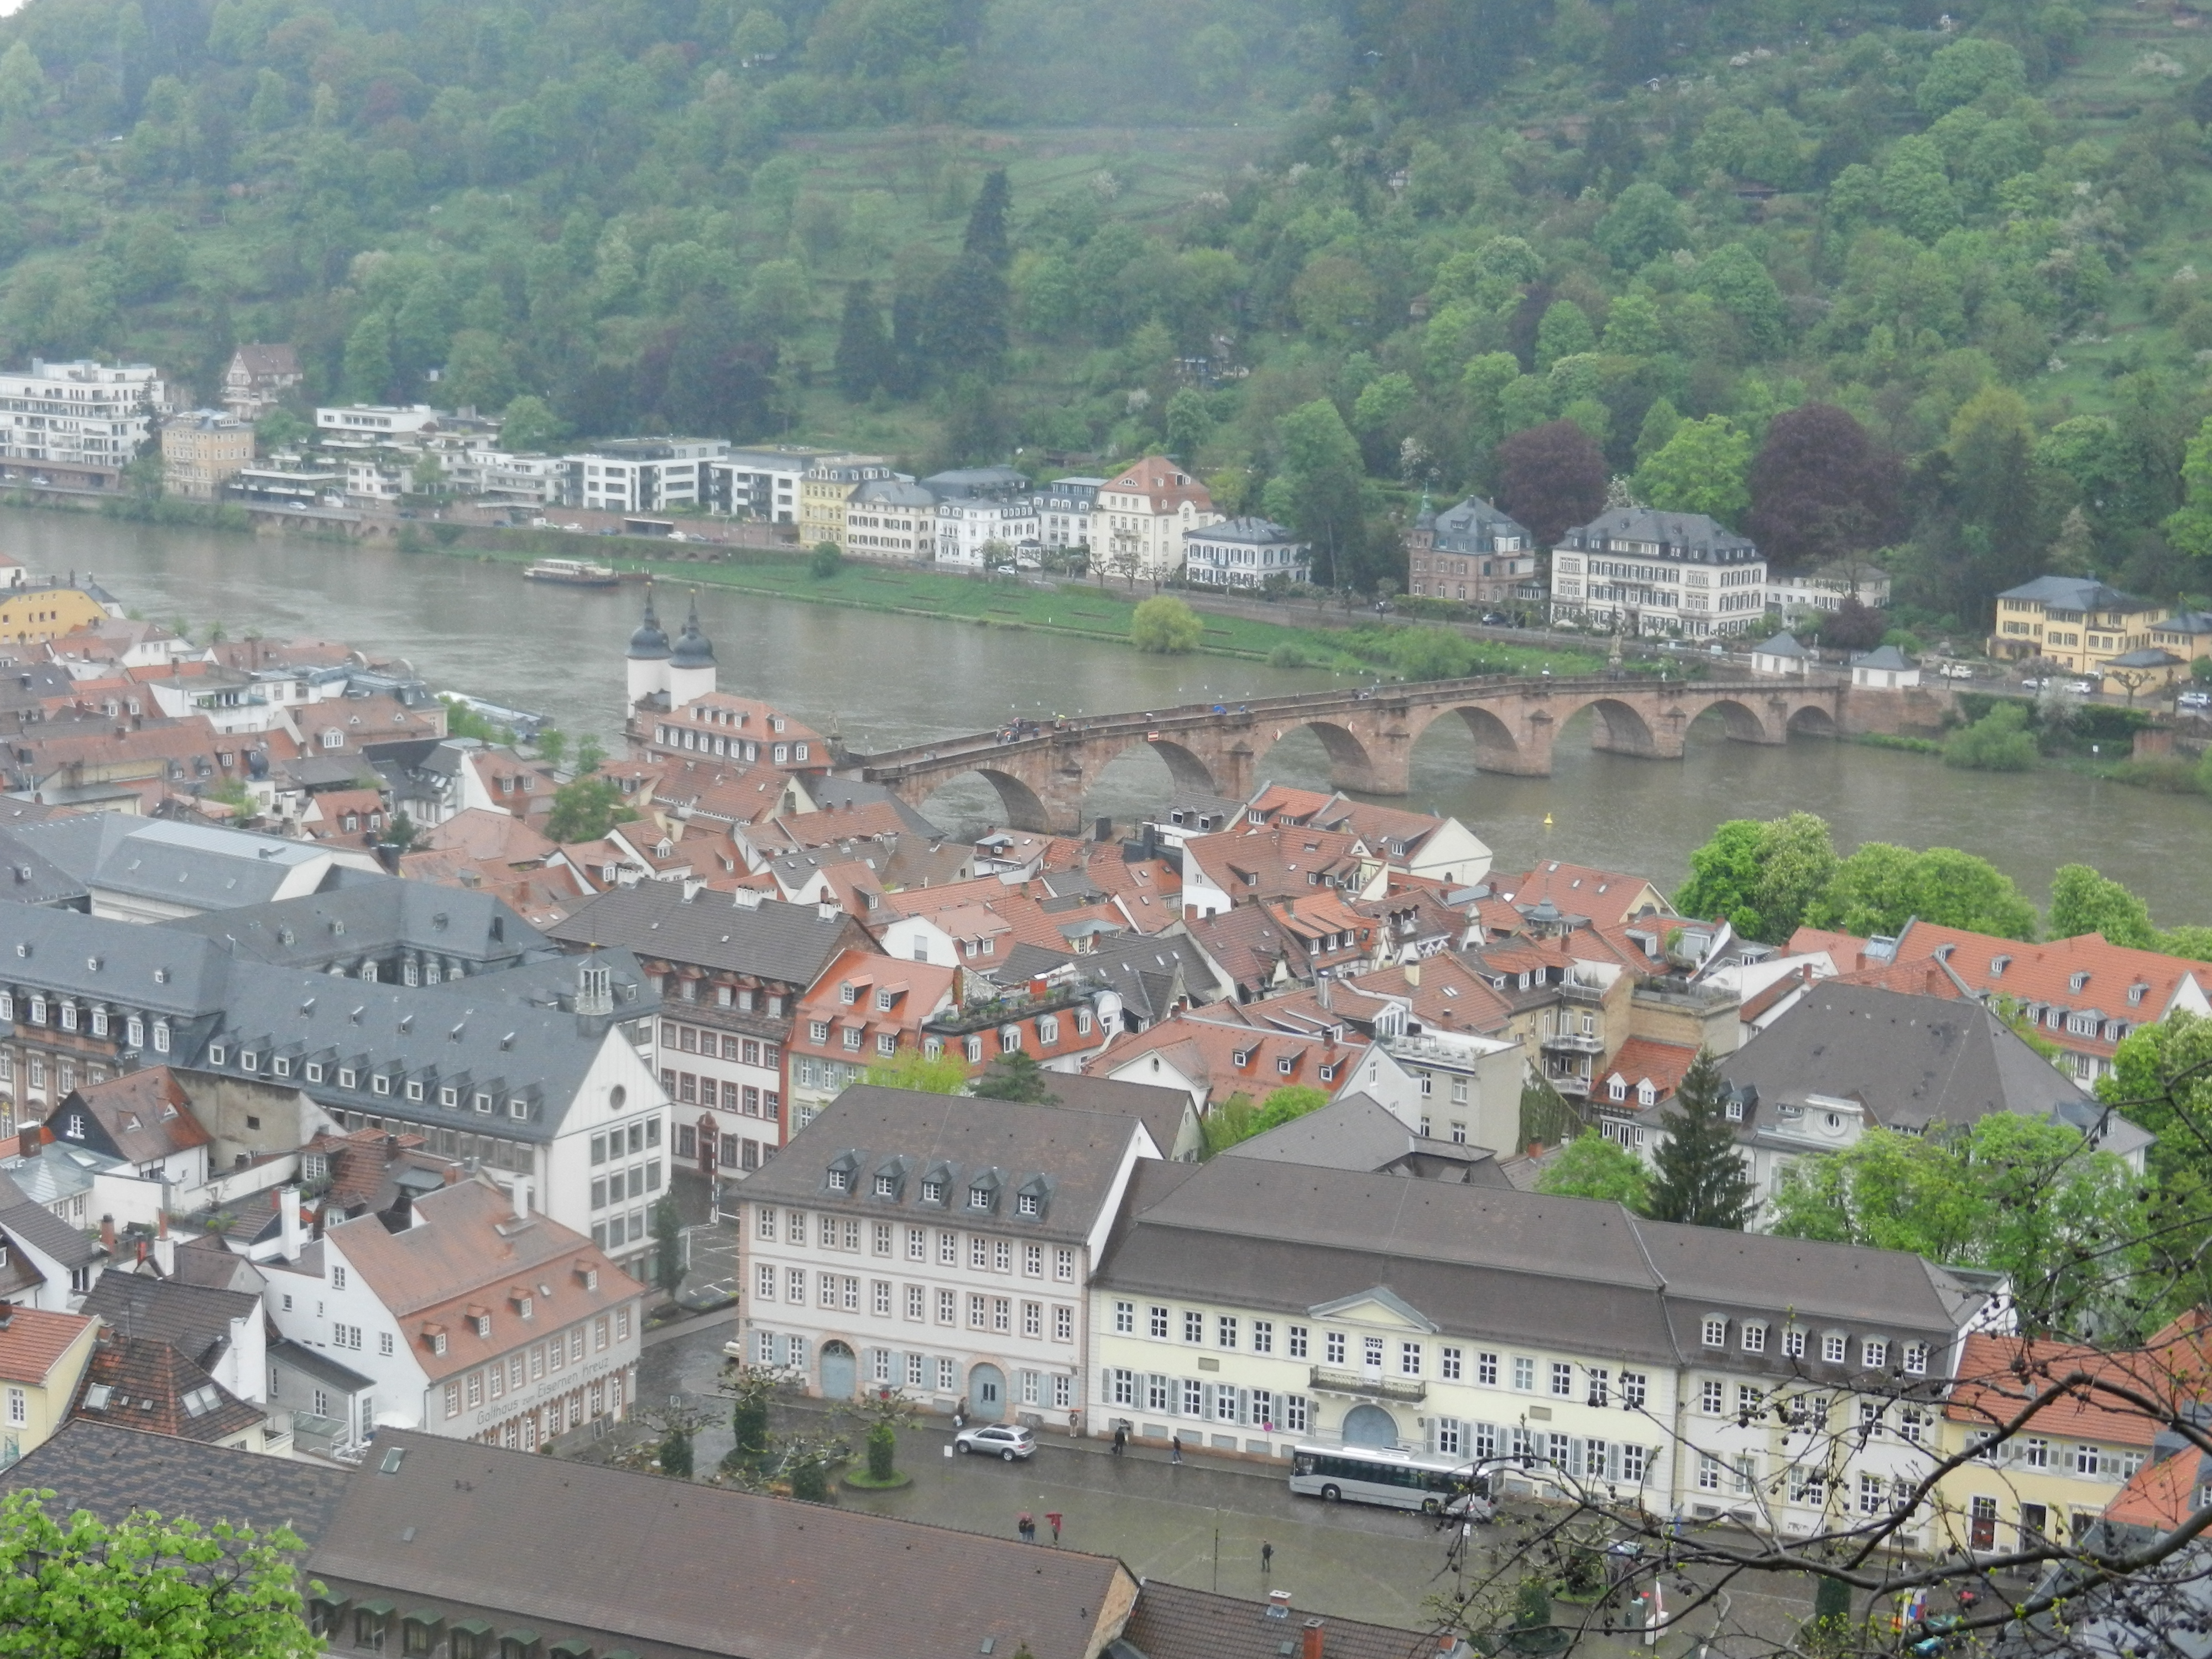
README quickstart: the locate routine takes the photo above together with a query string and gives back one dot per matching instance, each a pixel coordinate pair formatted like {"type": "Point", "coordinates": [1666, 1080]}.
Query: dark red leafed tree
{"type": "Point", "coordinates": [1821, 488]}
{"type": "Point", "coordinates": [1550, 477]}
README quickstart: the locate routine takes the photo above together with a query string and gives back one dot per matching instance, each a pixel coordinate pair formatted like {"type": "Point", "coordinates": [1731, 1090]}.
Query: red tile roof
{"type": "Point", "coordinates": [32, 1341]}
{"type": "Point", "coordinates": [1999, 1375]}
{"type": "Point", "coordinates": [1606, 897]}
{"type": "Point", "coordinates": [2080, 975]}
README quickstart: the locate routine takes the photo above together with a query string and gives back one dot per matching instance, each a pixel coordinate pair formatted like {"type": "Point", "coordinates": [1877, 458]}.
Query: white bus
{"type": "Point", "coordinates": [1377, 1475]}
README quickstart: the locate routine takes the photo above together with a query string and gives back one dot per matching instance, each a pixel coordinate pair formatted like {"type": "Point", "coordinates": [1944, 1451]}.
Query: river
{"type": "Point", "coordinates": [885, 681]}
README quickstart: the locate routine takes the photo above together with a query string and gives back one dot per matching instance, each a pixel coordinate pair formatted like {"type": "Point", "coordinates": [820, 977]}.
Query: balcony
{"type": "Point", "coordinates": [1573, 1042]}
{"type": "Point", "coordinates": [1369, 1385]}
{"type": "Point", "coordinates": [1573, 1085]}
{"type": "Point", "coordinates": [1574, 991]}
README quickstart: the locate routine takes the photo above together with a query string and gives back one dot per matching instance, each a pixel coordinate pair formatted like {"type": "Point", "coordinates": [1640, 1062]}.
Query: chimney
{"type": "Point", "coordinates": [107, 1234]}
{"type": "Point", "coordinates": [288, 1220]}
{"type": "Point", "coordinates": [1311, 1647]}
{"type": "Point", "coordinates": [30, 1141]}
{"type": "Point", "coordinates": [1322, 991]}
{"type": "Point", "coordinates": [521, 1190]}
{"type": "Point", "coordinates": [1414, 973]}
{"type": "Point", "coordinates": [452, 1174]}
{"type": "Point", "coordinates": [165, 1248]}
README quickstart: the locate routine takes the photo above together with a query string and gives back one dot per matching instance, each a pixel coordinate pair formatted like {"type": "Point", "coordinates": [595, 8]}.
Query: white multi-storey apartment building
{"type": "Point", "coordinates": [760, 483]}
{"type": "Point", "coordinates": [644, 475]}
{"type": "Point", "coordinates": [86, 418]}
{"type": "Point", "coordinates": [938, 1246]}
{"type": "Point", "coordinates": [1649, 572]}
{"type": "Point", "coordinates": [1143, 513]}
{"type": "Point", "coordinates": [476, 1317]}
{"type": "Point", "coordinates": [1791, 1386]}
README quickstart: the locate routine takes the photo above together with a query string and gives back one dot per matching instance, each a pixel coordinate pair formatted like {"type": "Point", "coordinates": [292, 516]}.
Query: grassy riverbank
{"type": "Point", "coordinates": [1329, 641]}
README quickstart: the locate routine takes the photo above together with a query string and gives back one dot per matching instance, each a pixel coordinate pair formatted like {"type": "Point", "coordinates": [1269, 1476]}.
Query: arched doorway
{"type": "Point", "coordinates": [709, 1143]}
{"type": "Point", "coordinates": [987, 1394]}
{"type": "Point", "coordinates": [1370, 1425]}
{"type": "Point", "coordinates": [841, 1374]}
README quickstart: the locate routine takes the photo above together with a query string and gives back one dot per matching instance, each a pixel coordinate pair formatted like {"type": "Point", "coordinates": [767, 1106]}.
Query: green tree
{"type": "Point", "coordinates": [986, 236]}
{"type": "Point", "coordinates": [552, 742]}
{"type": "Point", "coordinates": [404, 833]}
{"type": "Point", "coordinates": [1016, 1076]}
{"type": "Point", "coordinates": [1189, 424]}
{"type": "Point", "coordinates": [1882, 886]}
{"type": "Point", "coordinates": [667, 1246]}
{"type": "Point", "coordinates": [1563, 332]}
{"type": "Point", "coordinates": [1319, 489]}
{"type": "Point", "coordinates": [675, 1453]}
{"type": "Point", "coordinates": [1998, 742]}
{"type": "Point", "coordinates": [368, 359]}
{"type": "Point", "coordinates": [825, 562]}
{"type": "Point", "coordinates": [2084, 901]}
{"type": "Point", "coordinates": [529, 426]}
{"type": "Point", "coordinates": [883, 1453]}
{"type": "Point", "coordinates": [1700, 469]}
{"type": "Point", "coordinates": [165, 1588]}
{"type": "Point", "coordinates": [2190, 526]}
{"type": "Point", "coordinates": [1592, 1166]}
{"type": "Point", "coordinates": [964, 321]}
{"type": "Point", "coordinates": [1739, 284]}
{"type": "Point", "coordinates": [1916, 191]}
{"type": "Point", "coordinates": [910, 1068]}
{"type": "Point", "coordinates": [1761, 879]}
{"type": "Point", "coordinates": [1165, 625]}
{"type": "Point", "coordinates": [1968, 69]}
{"type": "Point", "coordinates": [1287, 1103]}
{"type": "Point", "coordinates": [1698, 1177]}
{"type": "Point", "coordinates": [864, 360]}
{"type": "Point", "coordinates": [1634, 328]}
{"type": "Point", "coordinates": [1644, 223]}
{"type": "Point", "coordinates": [586, 808]}
{"type": "Point", "coordinates": [22, 82]}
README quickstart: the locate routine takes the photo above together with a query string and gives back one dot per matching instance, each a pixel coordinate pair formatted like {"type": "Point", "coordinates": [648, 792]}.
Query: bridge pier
{"type": "Point", "coordinates": [1619, 730]}
{"type": "Point", "coordinates": [1496, 751]}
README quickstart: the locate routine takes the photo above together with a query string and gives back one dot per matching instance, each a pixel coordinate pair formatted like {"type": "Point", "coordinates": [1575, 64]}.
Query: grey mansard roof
{"type": "Point", "coordinates": [372, 918]}
{"type": "Point", "coordinates": [184, 863]}
{"type": "Point", "coordinates": [774, 940]}
{"type": "Point", "coordinates": [159, 969]}
{"type": "Point", "coordinates": [1513, 1266]}
{"type": "Point", "coordinates": [1474, 525]}
{"type": "Point", "coordinates": [1678, 535]}
{"type": "Point", "coordinates": [1067, 1156]}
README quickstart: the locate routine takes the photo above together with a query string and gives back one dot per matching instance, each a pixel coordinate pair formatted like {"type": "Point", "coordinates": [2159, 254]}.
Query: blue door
{"type": "Point", "coordinates": [840, 1374]}
{"type": "Point", "coordinates": [987, 1394]}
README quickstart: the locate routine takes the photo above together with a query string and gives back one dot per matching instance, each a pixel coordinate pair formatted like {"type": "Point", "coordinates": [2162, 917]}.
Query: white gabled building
{"type": "Point", "coordinates": [474, 1316]}
{"type": "Point", "coordinates": [1644, 571]}
{"type": "Point", "coordinates": [1142, 515]}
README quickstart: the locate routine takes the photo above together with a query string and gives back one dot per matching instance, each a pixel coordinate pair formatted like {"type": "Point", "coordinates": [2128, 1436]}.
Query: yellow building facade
{"type": "Point", "coordinates": [200, 452]}
{"type": "Point", "coordinates": [31, 615]}
{"type": "Point", "coordinates": [43, 1356]}
{"type": "Point", "coordinates": [2074, 620]}
{"type": "Point", "coordinates": [823, 492]}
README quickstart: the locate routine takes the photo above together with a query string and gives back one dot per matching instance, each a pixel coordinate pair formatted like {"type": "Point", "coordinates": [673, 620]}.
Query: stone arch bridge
{"type": "Point", "coordinates": [1042, 778]}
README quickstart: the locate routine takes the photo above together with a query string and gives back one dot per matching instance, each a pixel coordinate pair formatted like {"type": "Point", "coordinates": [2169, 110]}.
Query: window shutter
{"type": "Point", "coordinates": [1244, 1407]}
{"type": "Point", "coordinates": [1209, 1390]}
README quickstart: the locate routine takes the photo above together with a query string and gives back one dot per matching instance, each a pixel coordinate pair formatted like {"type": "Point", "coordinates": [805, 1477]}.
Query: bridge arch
{"type": "Point", "coordinates": [1189, 772]}
{"type": "Point", "coordinates": [1743, 722]}
{"type": "Point", "coordinates": [1621, 729]}
{"type": "Point", "coordinates": [1020, 807]}
{"type": "Point", "coordinates": [1812, 721]}
{"type": "Point", "coordinates": [1351, 764]}
{"type": "Point", "coordinates": [1497, 747]}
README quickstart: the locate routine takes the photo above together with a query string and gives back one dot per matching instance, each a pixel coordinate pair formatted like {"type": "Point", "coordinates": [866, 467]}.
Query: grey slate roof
{"type": "Point", "coordinates": [790, 943]}
{"type": "Point", "coordinates": [372, 918]}
{"type": "Point", "coordinates": [29, 877]}
{"type": "Point", "coordinates": [1152, 972]}
{"type": "Point", "coordinates": [2149, 656]}
{"type": "Point", "coordinates": [316, 1364]}
{"type": "Point", "coordinates": [41, 1229]}
{"type": "Point", "coordinates": [563, 1547]}
{"type": "Point", "coordinates": [2073, 593]}
{"type": "Point", "coordinates": [156, 969]}
{"type": "Point", "coordinates": [1067, 1156]}
{"type": "Point", "coordinates": [1474, 525]}
{"type": "Point", "coordinates": [1887, 656]}
{"type": "Point", "coordinates": [1516, 1266]}
{"type": "Point", "coordinates": [112, 1471]}
{"type": "Point", "coordinates": [191, 864]}
{"type": "Point", "coordinates": [193, 1319]}
{"type": "Point", "coordinates": [1245, 532]}
{"type": "Point", "coordinates": [1358, 1133]}
{"type": "Point", "coordinates": [1913, 1061]}
{"type": "Point", "coordinates": [1680, 534]}
{"type": "Point", "coordinates": [470, 1035]}
{"type": "Point", "coordinates": [1782, 645]}
{"type": "Point", "coordinates": [1162, 1111]}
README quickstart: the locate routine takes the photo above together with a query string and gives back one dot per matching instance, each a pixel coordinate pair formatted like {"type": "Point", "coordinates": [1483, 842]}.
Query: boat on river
{"type": "Point", "coordinates": [572, 573]}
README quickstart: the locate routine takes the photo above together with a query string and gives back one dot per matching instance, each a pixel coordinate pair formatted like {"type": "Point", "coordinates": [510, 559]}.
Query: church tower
{"type": "Point", "coordinates": [648, 665]}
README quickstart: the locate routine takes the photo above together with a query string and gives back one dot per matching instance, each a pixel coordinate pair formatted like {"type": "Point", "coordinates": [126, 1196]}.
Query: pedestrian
{"type": "Point", "coordinates": [1267, 1558]}
{"type": "Point", "coordinates": [1120, 1438]}
{"type": "Point", "coordinates": [1025, 1526]}
{"type": "Point", "coordinates": [1052, 1516]}
{"type": "Point", "coordinates": [1174, 1448]}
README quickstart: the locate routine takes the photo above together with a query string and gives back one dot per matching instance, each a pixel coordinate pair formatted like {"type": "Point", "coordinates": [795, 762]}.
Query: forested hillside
{"type": "Point", "coordinates": [1852, 277]}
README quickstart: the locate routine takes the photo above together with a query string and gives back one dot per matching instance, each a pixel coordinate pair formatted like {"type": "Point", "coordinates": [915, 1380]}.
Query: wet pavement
{"type": "Point", "coordinates": [1200, 1524]}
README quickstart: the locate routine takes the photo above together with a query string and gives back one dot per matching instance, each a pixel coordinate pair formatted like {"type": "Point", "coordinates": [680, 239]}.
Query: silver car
{"type": "Point", "coordinates": [1010, 1441]}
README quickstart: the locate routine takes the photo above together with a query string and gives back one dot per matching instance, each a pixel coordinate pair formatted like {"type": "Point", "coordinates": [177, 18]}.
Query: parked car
{"type": "Point", "coordinates": [2031, 685]}
{"type": "Point", "coordinates": [2198, 700]}
{"type": "Point", "coordinates": [1493, 619]}
{"type": "Point", "coordinates": [1956, 670]}
{"type": "Point", "coordinates": [2084, 688]}
{"type": "Point", "coordinates": [1717, 649]}
{"type": "Point", "coordinates": [1009, 1440]}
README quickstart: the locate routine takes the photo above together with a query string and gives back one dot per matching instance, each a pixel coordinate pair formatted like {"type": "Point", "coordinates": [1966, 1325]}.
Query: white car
{"type": "Point", "coordinates": [2084, 688]}
{"type": "Point", "coordinates": [1955, 670]}
{"type": "Point", "coordinates": [2197, 700]}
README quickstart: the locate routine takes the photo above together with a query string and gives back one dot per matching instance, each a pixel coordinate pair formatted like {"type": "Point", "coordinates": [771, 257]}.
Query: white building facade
{"type": "Point", "coordinates": [79, 414]}
{"type": "Point", "coordinates": [1638, 570]}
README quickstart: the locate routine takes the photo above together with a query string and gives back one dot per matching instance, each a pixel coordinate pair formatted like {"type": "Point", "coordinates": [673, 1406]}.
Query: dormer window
{"type": "Point", "coordinates": [846, 993]}
{"type": "Point", "coordinates": [886, 1185]}
{"type": "Point", "coordinates": [1645, 1094]}
{"type": "Point", "coordinates": [933, 1192]}
{"type": "Point", "coordinates": [2137, 993]}
{"type": "Point", "coordinates": [482, 1323]}
{"type": "Point", "coordinates": [1026, 1204]}
{"type": "Point", "coordinates": [2080, 978]}
{"type": "Point", "coordinates": [979, 1196]}
{"type": "Point", "coordinates": [1998, 965]}
{"type": "Point", "coordinates": [1616, 1088]}
{"type": "Point", "coordinates": [841, 1181]}
{"type": "Point", "coordinates": [1284, 1065]}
